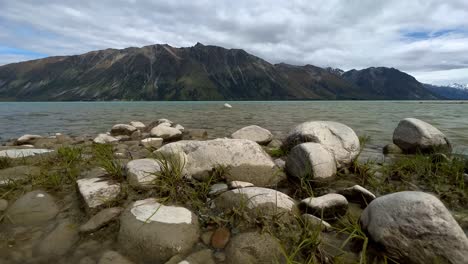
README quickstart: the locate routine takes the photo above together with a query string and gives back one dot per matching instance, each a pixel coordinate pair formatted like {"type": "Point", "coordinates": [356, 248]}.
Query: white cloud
{"type": "Point", "coordinates": [337, 33]}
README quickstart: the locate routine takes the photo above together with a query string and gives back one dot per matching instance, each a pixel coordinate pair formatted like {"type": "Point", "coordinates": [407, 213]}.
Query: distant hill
{"type": "Point", "coordinates": [162, 72]}
{"type": "Point", "coordinates": [449, 92]}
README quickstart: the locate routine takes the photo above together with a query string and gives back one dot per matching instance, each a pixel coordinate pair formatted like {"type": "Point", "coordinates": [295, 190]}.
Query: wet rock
{"type": "Point", "coordinates": [313, 221]}
{"type": "Point", "coordinates": [413, 135]}
{"type": "Point", "coordinates": [104, 139]}
{"type": "Point", "coordinates": [245, 160]}
{"type": "Point", "coordinates": [138, 125]}
{"type": "Point", "coordinates": [3, 205]}
{"type": "Point", "coordinates": [254, 247]}
{"type": "Point", "coordinates": [17, 174]}
{"type": "Point", "coordinates": [34, 207]}
{"type": "Point", "coordinates": [358, 194]}
{"type": "Point", "coordinates": [27, 139]}
{"type": "Point", "coordinates": [239, 184]}
{"type": "Point", "coordinates": [254, 133]}
{"type": "Point", "coordinates": [141, 172]}
{"type": "Point", "coordinates": [280, 163]}
{"type": "Point", "coordinates": [311, 161]}
{"type": "Point", "coordinates": [327, 206]}
{"type": "Point", "coordinates": [101, 219]}
{"type": "Point", "coordinates": [152, 142]}
{"type": "Point", "coordinates": [22, 153]}
{"type": "Point", "coordinates": [59, 241]}
{"type": "Point", "coordinates": [257, 201]}
{"type": "Point", "coordinates": [415, 227]}
{"type": "Point", "coordinates": [97, 191]}
{"type": "Point", "coordinates": [218, 188]}
{"type": "Point", "coordinates": [338, 139]}
{"type": "Point", "coordinates": [391, 149]}
{"type": "Point", "coordinates": [220, 237]}
{"type": "Point", "coordinates": [113, 257]}
{"type": "Point", "coordinates": [166, 132]}
{"type": "Point", "coordinates": [122, 129]}
{"type": "Point", "coordinates": [152, 232]}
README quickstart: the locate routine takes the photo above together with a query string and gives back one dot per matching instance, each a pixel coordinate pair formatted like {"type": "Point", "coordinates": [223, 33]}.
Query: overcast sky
{"type": "Point", "coordinates": [428, 39]}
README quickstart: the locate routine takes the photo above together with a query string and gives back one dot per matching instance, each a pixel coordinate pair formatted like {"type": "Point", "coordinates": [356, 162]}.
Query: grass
{"type": "Point", "coordinates": [104, 157]}
{"type": "Point", "coordinates": [352, 228]}
{"type": "Point", "coordinates": [5, 162]}
{"type": "Point", "coordinates": [276, 152]}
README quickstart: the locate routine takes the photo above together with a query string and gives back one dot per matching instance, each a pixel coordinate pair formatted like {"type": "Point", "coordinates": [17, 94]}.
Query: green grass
{"type": "Point", "coordinates": [276, 152]}
{"type": "Point", "coordinates": [104, 157]}
{"type": "Point", "coordinates": [5, 162]}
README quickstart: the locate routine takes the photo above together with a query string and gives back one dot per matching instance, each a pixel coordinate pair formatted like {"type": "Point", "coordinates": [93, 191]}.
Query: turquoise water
{"type": "Point", "coordinates": [376, 119]}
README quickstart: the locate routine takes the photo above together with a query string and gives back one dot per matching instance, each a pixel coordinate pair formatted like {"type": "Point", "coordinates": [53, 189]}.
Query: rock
{"type": "Point", "coordinates": [220, 237]}
{"type": "Point", "coordinates": [313, 222]}
{"type": "Point", "coordinates": [104, 139]}
{"type": "Point", "coordinates": [122, 130]}
{"type": "Point", "coordinates": [415, 227]}
{"type": "Point", "coordinates": [137, 125]}
{"type": "Point", "coordinates": [244, 159]}
{"type": "Point", "coordinates": [3, 205]}
{"type": "Point", "coordinates": [327, 206]}
{"type": "Point", "coordinates": [113, 257]}
{"type": "Point", "coordinates": [17, 174]}
{"type": "Point", "coordinates": [280, 163]}
{"type": "Point", "coordinates": [413, 135]}
{"type": "Point", "coordinates": [254, 247]}
{"type": "Point", "coordinates": [151, 232]}
{"type": "Point", "coordinates": [34, 207]}
{"type": "Point", "coordinates": [141, 172]}
{"type": "Point", "coordinates": [87, 260]}
{"type": "Point", "coordinates": [257, 201]}
{"type": "Point", "coordinates": [226, 105]}
{"type": "Point", "coordinates": [358, 194]}
{"type": "Point", "coordinates": [206, 237]}
{"type": "Point", "coordinates": [239, 184]}
{"type": "Point", "coordinates": [275, 143]}
{"type": "Point", "coordinates": [165, 132]}
{"type": "Point", "coordinates": [204, 256]}
{"type": "Point", "coordinates": [165, 124]}
{"type": "Point", "coordinates": [218, 188]}
{"type": "Point", "coordinates": [59, 241]}
{"type": "Point", "coordinates": [94, 173]}
{"type": "Point", "coordinates": [338, 139]}
{"type": "Point", "coordinates": [98, 191]}
{"type": "Point", "coordinates": [136, 135]}
{"type": "Point", "coordinates": [101, 219]}
{"type": "Point", "coordinates": [197, 134]}
{"type": "Point", "coordinates": [179, 127]}
{"type": "Point", "coordinates": [27, 139]}
{"type": "Point", "coordinates": [219, 256]}
{"type": "Point", "coordinates": [164, 120]}
{"type": "Point", "coordinates": [311, 161]}
{"type": "Point", "coordinates": [152, 142]}
{"type": "Point", "coordinates": [391, 149]}
{"type": "Point", "coordinates": [22, 153]}
{"type": "Point", "coordinates": [254, 133]}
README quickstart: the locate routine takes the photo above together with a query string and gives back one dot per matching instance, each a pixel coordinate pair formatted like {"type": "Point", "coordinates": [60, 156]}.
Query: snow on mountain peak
{"type": "Point", "coordinates": [459, 86]}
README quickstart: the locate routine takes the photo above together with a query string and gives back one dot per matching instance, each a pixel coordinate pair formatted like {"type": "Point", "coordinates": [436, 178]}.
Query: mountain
{"type": "Point", "coordinates": [458, 86]}
{"type": "Point", "coordinates": [448, 92]}
{"type": "Point", "coordinates": [162, 72]}
{"type": "Point", "coordinates": [389, 83]}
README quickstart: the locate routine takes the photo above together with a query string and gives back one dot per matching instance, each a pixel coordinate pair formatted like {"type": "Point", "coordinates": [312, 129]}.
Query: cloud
{"type": "Point", "coordinates": [420, 37]}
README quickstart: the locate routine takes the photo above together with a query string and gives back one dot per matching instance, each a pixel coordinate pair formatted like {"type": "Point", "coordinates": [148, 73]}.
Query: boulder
{"type": "Point", "coordinates": [358, 194]}
{"type": "Point", "coordinates": [113, 257]}
{"type": "Point", "coordinates": [415, 227]}
{"type": "Point", "coordinates": [98, 191]}
{"type": "Point", "coordinates": [152, 233]}
{"type": "Point", "coordinates": [312, 222]}
{"type": "Point", "coordinates": [254, 133]}
{"type": "Point", "coordinates": [104, 139]}
{"type": "Point", "coordinates": [58, 242]}
{"type": "Point", "coordinates": [22, 153]}
{"type": "Point", "coordinates": [27, 139]}
{"type": "Point", "coordinates": [138, 125]}
{"type": "Point", "coordinates": [179, 127]}
{"type": "Point", "coordinates": [245, 160]}
{"type": "Point", "coordinates": [239, 184]}
{"type": "Point", "coordinates": [328, 206]}
{"type": "Point", "coordinates": [141, 172]}
{"type": "Point", "coordinates": [337, 138]}
{"type": "Point", "coordinates": [34, 207]}
{"type": "Point", "coordinates": [122, 130]}
{"type": "Point", "coordinates": [311, 161]}
{"type": "Point", "coordinates": [413, 135]}
{"type": "Point", "coordinates": [166, 132]}
{"type": "Point", "coordinates": [101, 219]}
{"type": "Point", "coordinates": [254, 247]}
{"type": "Point", "coordinates": [152, 142]}
{"type": "Point", "coordinates": [391, 149]}
{"type": "Point", "coordinates": [257, 201]}
{"type": "Point", "coordinates": [18, 174]}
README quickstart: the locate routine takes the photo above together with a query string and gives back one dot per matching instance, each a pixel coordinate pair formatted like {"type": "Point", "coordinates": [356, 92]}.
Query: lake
{"type": "Point", "coordinates": [376, 119]}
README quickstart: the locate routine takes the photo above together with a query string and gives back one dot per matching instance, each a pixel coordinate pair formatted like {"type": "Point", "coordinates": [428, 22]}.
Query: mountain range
{"type": "Point", "coordinates": [201, 72]}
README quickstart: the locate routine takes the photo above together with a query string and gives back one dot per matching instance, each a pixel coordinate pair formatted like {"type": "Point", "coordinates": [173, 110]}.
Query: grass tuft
{"type": "Point", "coordinates": [104, 156]}
{"type": "Point", "coordinates": [5, 162]}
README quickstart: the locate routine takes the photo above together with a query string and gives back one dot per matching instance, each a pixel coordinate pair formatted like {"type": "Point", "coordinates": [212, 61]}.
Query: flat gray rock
{"type": "Point", "coordinates": [101, 219]}
{"type": "Point", "coordinates": [98, 191]}
{"type": "Point", "coordinates": [22, 153]}
{"type": "Point", "coordinates": [327, 206]}
{"type": "Point", "coordinates": [358, 194]}
{"type": "Point", "coordinates": [17, 174]}
{"type": "Point", "coordinates": [34, 207]}
{"type": "Point", "coordinates": [311, 161]}
{"type": "Point", "coordinates": [58, 242]}
{"type": "Point", "coordinates": [254, 247]}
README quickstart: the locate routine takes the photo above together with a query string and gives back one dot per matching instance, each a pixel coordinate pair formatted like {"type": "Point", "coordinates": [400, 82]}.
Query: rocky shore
{"type": "Point", "coordinates": [162, 193]}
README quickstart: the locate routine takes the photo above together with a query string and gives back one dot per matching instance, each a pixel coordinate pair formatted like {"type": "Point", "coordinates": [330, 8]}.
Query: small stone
{"type": "Point", "coordinates": [254, 133]}
{"type": "Point", "coordinates": [98, 191]}
{"type": "Point", "coordinates": [137, 125]}
{"type": "Point", "coordinates": [122, 129]}
{"type": "Point", "coordinates": [358, 194]}
{"type": "Point", "coordinates": [3, 205]}
{"type": "Point", "coordinates": [328, 206]}
{"type": "Point", "coordinates": [206, 237]}
{"type": "Point", "coordinates": [179, 127]}
{"type": "Point", "coordinates": [104, 139]}
{"type": "Point", "coordinates": [151, 142]}
{"type": "Point", "coordinates": [220, 237]}
{"type": "Point", "coordinates": [142, 172]}
{"type": "Point", "coordinates": [218, 188]}
{"type": "Point", "coordinates": [113, 257]}
{"type": "Point", "coordinates": [101, 219]}
{"type": "Point", "coordinates": [226, 105]}
{"type": "Point", "coordinates": [165, 132]}
{"type": "Point", "coordinates": [239, 184]}
{"type": "Point", "coordinates": [280, 163]}
{"type": "Point", "coordinates": [22, 153]}
{"type": "Point", "coordinates": [391, 149]}
{"type": "Point", "coordinates": [219, 256]}
{"type": "Point", "coordinates": [314, 221]}
{"type": "Point", "coordinates": [311, 161]}
{"type": "Point", "coordinates": [27, 139]}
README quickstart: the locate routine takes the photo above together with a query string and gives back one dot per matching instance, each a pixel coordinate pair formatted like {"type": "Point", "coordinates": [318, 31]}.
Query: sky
{"type": "Point", "coordinates": [427, 39]}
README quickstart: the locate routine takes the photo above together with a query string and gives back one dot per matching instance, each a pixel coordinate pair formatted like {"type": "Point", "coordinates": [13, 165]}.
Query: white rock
{"type": "Point", "coordinates": [245, 160]}
{"type": "Point", "coordinates": [327, 206]}
{"type": "Point", "coordinates": [413, 135]}
{"type": "Point", "coordinates": [226, 105]}
{"type": "Point", "coordinates": [97, 191]}
{"type": "Point", "coordinates": [311, 161]}
{"type": "Point", "coordinates": [337, 138]}
{"type": "Point", "coordinates": [122, 129]}
{"type": "Point", "coordinates": [27, 139]}
{"type": "Point", "coordinates": [152, 142]}
{"type": "Point", "coordinates": [312, 221]}
{"type": "Point", "coordinates": [104, 139]}
{"type": "Point", "coordinates": [21, 153]}
{"type": "Point", "coordinates": [415, 227]}
{"type": "Point", "coordinates": [137, 124]}
{"type": "Point", "coordinates": [165, 132]}
{"type": "Point", "coordinates": [218, 188]}
{"type": "Point", "coordinates": [254, 133]}
{"type": "Point", "coordinates": [358, 194]}
{"type": "Point", "coordinates": [239, 184]}
{"type": "Point", "coordinates": [179, 127]}
{"type": "Point", "coordinates": [141, 172]}
{"type": "Point", "coordinates": [165, 124]}
{"type": "Point", "coordinates": [164, 120]}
